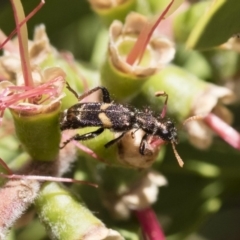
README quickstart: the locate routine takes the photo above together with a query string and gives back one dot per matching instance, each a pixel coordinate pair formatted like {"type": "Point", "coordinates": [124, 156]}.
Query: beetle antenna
{"type": "Point", "coordinates": [196, 117]}
{"type": "Point", "coordinates": [163, 94]}
{"type": "Point", "coordinates": [179, 159]}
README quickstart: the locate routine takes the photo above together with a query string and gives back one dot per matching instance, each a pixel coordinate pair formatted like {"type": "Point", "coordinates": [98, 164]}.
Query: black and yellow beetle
{"type": "Point", "coordinates": [117, 118]}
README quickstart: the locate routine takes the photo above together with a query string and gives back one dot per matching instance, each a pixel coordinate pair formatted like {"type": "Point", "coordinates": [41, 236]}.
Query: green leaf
{"type": "Point", "coordinates": [220, 22]}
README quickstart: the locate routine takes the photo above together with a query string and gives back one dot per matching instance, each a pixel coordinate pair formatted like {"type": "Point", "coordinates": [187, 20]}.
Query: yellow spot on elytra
{"type": "Point", "coordinates": [104, 106]}
{"type": "Point", "coordinates": [105, 120]}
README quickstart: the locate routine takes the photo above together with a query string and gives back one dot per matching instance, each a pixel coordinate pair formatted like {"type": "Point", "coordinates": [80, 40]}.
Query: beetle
{"type": "Point", "coordinates": [117, 118]}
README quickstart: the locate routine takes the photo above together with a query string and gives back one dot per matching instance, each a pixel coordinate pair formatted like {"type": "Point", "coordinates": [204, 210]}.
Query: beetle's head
{"type": "Point", "coordinates": [167, 131]}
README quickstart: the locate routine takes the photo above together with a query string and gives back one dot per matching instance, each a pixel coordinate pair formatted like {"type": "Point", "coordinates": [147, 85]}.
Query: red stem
{"type": "Point", "coordinates": [226, 132]}
{"type": "Point", "coordinates": [30, 15]}
{"type": "Point", "coordinates": [144, 37]}
{"type": "Point", "coordinates": [47, 178]}
{"type": "Point", "coordinates": [5, 166]}
{"type": "Point", "coordinates": [149, 224]}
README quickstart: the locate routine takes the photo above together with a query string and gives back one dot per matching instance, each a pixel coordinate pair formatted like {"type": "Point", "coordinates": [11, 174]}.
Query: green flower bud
{"type": "Point", "coordinates": [119, 76]}
{"type": "Point", "coordinates": [109, 11]}
{"type": "Point", "coordinates": [30, 126]}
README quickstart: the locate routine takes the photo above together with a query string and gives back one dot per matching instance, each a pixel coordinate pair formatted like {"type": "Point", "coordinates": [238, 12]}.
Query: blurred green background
{"type": "Point", "coordinates": [202, 200]}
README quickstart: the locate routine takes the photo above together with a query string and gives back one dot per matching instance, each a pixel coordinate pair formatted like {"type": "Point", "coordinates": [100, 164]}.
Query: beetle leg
{"type": "Point", "coordinates": [133, 132]}
{"type": "Point", "coordinates": [83, 137]}
{"type": "Point", "coordinates": [105, 93]}
{"type": "Point", "coordinates": [142, 144]}
{"type": "Point", "coordinates": [114, 140]}
{"type": "Point", "coordinates": [71, 90]}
